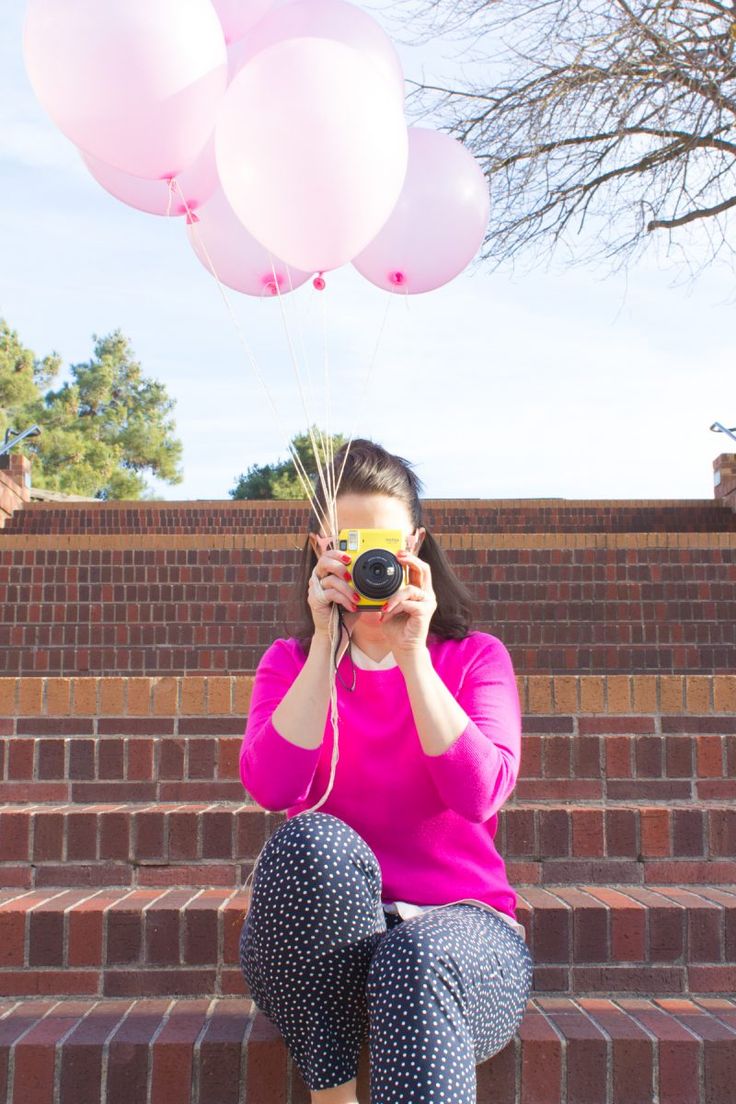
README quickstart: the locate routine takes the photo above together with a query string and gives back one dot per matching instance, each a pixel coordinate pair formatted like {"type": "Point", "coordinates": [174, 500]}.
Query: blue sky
{"type": "Point", "coordinates": [546, 383]}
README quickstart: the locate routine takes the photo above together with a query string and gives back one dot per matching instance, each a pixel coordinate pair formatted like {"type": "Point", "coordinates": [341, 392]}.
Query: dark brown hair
{"type": "Point", "coordinates": [371, 470]}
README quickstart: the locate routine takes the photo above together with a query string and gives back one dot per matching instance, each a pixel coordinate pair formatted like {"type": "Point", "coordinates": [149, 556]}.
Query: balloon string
{"type": "Point", "coordinates": [193, 223]}
{"type": "Point", "coordinates": [294, 301]}
{"type": "Point", "coordinates": [329, 522]}
{"type": "Point", "coordinates": [172, 184]}
{"type": "Point", "coordinates": [326, 368]}
{"type": "Point", "coordinates": [324, 460]}
{"type": "Point", "coordinates": [326, 516]}
{"type": "Point", "coordinates": [335, 623]}
{"type": "Point", "coordinates": [369, 373]}
{"type": "Point", "coordinates": [323, 451]}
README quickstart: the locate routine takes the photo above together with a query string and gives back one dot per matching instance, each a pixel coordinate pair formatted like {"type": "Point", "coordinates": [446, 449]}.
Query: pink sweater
{"type": "Point", "coordinates": [431, 820]}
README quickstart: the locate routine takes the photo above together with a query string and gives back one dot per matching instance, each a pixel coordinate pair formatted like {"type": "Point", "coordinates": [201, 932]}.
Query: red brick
{"type": "Point", "coordinates": [124, 921]}
{"type": "Point", "coordinates": [35, 1056]}
{"type": "Point", "coordinates": [587, 832]}
{"type": "Point", "coordinates": [140, 760]}
{"type": "Point", "coordinates": [114, 832]}
{"type": "Point", "coordinates": [633, 1073]}
{"type": "Point", "coordinates": [554, 828]}
{"type": "Point", "coordinates": [43, 982]}
{"type": "Point", "coordinates": [655, 832]}
{"type": "Point", "coordinates": [173, 1052]}
{"type": "Point", "coordinates": [129, 1055]}
{"type": "Point", "coordinates": [678, 1049]}
{"type": "Point", "coordinates": [541, 1061]}
{"type": "Point", "coordinates": [81, 834]}
{"type": "Point", "coordinates": [85, 928]}
{"type": "Point", "coordinates": [15, 836]}
{"type": "Point", "coordinates": [220, 1072]}
{"type": "Point", "coordinates": [627, 921]}
{"type": "Point", "coordinates": [688, 832]}
{"type": "Point", "coordinates": [149, 835]}
{"type": "Point", "coordinates": [162, 922]}
{"type": "Point", "coordinates": [80, 1076]}
{"type": "Point", "coordinates": [20, 758]}
{"type": "Point", "coordinates": [587, 1055]}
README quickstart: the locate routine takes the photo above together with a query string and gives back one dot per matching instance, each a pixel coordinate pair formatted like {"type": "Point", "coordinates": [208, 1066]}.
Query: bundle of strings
{"type": "Point", "coordinates": [323, 451]}
{"type": "Point", "coordinates": [324, 457]}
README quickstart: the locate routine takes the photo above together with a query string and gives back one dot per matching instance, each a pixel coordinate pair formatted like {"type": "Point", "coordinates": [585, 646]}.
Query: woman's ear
{"type": "Point", "coordinates": [319, 543]}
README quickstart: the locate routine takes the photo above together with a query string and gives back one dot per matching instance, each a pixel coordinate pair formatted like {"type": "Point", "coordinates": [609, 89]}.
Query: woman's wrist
{"type": "Point", "coordinates": [414, 660]}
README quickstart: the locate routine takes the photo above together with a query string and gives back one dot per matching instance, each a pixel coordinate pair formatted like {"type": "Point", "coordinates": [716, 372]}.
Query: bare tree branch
{"type": "Point", "coordinates": [620, 114]}
{"type": "Point", "coordinates": [708, 212]}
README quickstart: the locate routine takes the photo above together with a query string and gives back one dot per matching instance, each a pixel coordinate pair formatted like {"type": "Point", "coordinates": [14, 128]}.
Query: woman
{"type": "Point", "coordinates": [387, 915]}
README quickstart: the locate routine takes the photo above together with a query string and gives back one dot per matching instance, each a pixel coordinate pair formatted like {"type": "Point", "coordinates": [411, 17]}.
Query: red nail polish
{"type": "Point", "coordinates": [345, 559]}
{"type": "Point", "coordinates": [346, 576]}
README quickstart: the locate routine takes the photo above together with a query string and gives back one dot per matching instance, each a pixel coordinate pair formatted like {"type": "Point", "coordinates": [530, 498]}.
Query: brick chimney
{"type": "Point", "coordinates": [15, 484]}
{"type": "Point", "coordinates": [724, 477]}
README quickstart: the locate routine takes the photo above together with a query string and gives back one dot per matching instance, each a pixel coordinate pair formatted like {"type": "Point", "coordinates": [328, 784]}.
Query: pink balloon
{"type": "Point", "coordinates": [311, 150]}
{"type": "Point", "coordinates": [439, 222]}
{"type": "Point", "coordinates": [331, 19]}
{"type": "Point", "coordinates": [238, 259]}
{"type": "Point", "coordinates": [190, 189]}
{"type": "Point", "coordinates": [135, 83]}
{"type": "Point", "coordinates": [238, 16]}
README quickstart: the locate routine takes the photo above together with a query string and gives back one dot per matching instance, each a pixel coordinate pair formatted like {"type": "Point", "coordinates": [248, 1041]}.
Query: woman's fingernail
{"type": "Point", "coordinates": [345, 559]}
{"type": "Point", "coordinates": [347, 576]}
{"type": "Point", "coordinates": [356, 597]}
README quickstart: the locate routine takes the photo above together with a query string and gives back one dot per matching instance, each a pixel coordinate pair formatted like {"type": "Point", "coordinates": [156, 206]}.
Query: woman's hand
{"type": "Point", "coordinates": [406, 615]}
{"type": "Point", "coordinates": [329, 583]}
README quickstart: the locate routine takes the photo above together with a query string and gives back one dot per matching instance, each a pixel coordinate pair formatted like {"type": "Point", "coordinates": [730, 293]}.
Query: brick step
{"type": "Point", "coordinates": [145, 615]}
{"type": "Point", "coordinates": [440, 515]}
{"type": "Point", "coordinates": [200, 844]}
{"type": "Point", "coordinates": [213, 610]}
{"type": "Point", "coordinates": [75, 549]}
{"type": "Point", "coordinates": [599, 758]}
{"type": "Point", "coordinates": [556, 656]}
{"type": "Point", "coordinates": [631, 1050]}
{"type": "Point", "coordinates": [176, 941]}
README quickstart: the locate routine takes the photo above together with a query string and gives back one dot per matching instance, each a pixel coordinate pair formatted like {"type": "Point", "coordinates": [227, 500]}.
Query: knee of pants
{"type": "Point", "coordinates": [400, 952]}
{"type": "Point", "coordinates": [310, 832]}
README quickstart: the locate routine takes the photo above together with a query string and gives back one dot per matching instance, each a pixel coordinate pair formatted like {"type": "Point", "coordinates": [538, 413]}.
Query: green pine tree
{"type": "Point", "coordinates": [101, 431]}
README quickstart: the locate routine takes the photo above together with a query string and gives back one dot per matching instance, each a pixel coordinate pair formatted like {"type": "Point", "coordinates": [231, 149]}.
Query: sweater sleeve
{"type": "Point", "coordinates": [478, 772]}
{"type": "Point", "coordinates": [275, 772]}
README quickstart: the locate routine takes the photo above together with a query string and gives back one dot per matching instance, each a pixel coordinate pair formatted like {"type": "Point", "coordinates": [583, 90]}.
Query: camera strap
{"type": "Point", "coordinates": [348, 651]}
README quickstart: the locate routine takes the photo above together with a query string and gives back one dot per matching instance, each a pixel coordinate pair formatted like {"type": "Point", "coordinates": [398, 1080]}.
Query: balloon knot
{"type": "Point", "coordinates": [191, 218]}
{"type": "Point", "coordinates": [272, 283]}
{"type": "Point", "coordinates": [318, 283]}
{"type": "Point", "coordinates": [397, 278]}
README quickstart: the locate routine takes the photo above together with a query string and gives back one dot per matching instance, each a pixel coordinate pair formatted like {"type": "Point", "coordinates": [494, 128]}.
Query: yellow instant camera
{"type": "Point", "coordinates": [376, 572]}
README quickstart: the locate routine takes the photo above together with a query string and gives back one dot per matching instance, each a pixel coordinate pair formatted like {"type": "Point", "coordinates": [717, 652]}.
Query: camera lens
{"type": "Point", "coordinates": [377, 573]}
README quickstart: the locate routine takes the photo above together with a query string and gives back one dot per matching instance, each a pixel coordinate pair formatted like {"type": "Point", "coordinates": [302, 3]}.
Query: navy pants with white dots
{"type": "Point", "coordinates": [435, 994]}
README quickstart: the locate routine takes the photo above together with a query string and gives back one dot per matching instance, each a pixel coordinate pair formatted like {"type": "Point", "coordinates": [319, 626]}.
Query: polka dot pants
{"type": "Point", "coordinates": [435, 994]}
